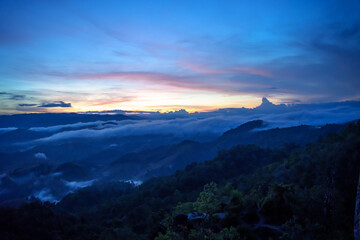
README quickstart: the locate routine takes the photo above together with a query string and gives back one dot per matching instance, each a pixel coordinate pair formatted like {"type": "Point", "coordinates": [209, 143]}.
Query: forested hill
{"type": "Point", "coordinates": [165, 160]}
{"type": "Point", "coordinates": [244, 193]}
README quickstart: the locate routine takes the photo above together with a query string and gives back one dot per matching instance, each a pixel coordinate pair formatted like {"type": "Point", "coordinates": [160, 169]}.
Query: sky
{"type": "Point", "coordinates": [79, 56]}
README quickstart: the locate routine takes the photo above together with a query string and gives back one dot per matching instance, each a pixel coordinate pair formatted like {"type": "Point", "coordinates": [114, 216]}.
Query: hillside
{"type": "Point", "coordinates": [165, 160]}
{"type": "Point", "coordinates": [244, 193]}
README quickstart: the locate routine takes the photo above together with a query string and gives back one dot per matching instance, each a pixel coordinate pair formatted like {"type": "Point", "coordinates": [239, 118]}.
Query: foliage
{"type": "Point", "coordinates": [208, 201]}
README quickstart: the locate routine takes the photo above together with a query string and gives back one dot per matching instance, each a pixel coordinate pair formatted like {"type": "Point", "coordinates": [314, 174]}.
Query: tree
{"type": "Point", "coordinates": [209, 200]}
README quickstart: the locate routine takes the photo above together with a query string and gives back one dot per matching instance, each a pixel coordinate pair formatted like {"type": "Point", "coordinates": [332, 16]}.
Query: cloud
{"type": "Point", "coordinates": [17, 97]}
{"type": "Point", "coordinates": [212, 124]}
{"type": "Point", "coordinates": [318, 65]}
{"type": "Point", "coordinates": [76, 185]}
{"type": "Point", "coordinates": [205, 69]}
{"type": "Point", "coordinates": [45, 195]}
{"type": "Point", "coordinates": [290, 101]}
{"type": "Point", "coordinates": [40, 155]}
{"type": "Point", "coordinates": [118, 53]}
{"type": "Point", "coordinates": [27, 104]}
{"type": "Point", "coordinates": [235, 81]}
{"type": "Point", "coordinates": [8, 129]}
{"type": "Point", "coordinates": [184, 128]}
{"type": "Point", "coordinates": [79, 125]}
{"type": "Point", "coordinates": [173, 80]}
{"type": "Point", "coordinates": [12, 96]}
{"type": "Point", "coordinates": [326, 67]}
{"type": "Point", "coordinates": [134, 182]}
{"type": "Point", "coordinates": [55, 104]}
{"type": "Point", "coordinates": [258, 55]}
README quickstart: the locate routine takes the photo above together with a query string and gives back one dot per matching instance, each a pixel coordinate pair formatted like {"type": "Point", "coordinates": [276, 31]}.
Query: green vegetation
{"type": "Point", "coordinates": [244, 193]}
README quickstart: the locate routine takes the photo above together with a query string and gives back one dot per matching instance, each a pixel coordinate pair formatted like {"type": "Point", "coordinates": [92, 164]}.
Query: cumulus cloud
{"type": "Point", "coordinates": [40, 155]}
{"type": "Point", "coordinates": [55, 104]}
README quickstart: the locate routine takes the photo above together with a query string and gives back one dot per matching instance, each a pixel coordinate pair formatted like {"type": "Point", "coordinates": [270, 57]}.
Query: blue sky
{"type": "Point", "coordinates": [58, 56]}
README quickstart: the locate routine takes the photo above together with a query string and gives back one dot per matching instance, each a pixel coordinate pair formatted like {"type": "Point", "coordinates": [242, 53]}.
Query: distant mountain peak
{"type": "Point", "coordinates": [266, 102]}
{"type": "Point", "coordinates": [266, 105]}
{"type": "Point", "coordinates": [245, 127]}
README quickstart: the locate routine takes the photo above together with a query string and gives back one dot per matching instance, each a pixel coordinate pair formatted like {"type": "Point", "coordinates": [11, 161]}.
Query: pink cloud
{"type": "Point", "coordinates": [212, 81]}
{"type": "Point", "coordinates": [182, 82]}
{"type": "Point", "coordinates": [118, 100]}
{"type": "Point", "coordinates": [204, 69]}
{"type": "Point", "coordinates": [251, 71]}
{"type": "Point", "coordinates": [200, 68]}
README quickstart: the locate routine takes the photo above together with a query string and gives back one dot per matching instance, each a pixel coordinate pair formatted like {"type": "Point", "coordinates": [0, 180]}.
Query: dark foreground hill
{"type": "Point", "coordinates": [246, 192]}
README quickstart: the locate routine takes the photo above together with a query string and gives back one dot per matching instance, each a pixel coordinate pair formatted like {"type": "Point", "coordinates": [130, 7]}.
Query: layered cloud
{"type": "Point", "coordinates": [27, 104]}
{"type": "Point", "coordinates": [199, 125]}
{"type": "Point", "coordinates": [232, 81]}
{"type": "Point", "coordinates": [55, 104]}
{"type": "Point", "coordinates": [79, 125]}
{"type": "Point", "coordinates": [7, 129]}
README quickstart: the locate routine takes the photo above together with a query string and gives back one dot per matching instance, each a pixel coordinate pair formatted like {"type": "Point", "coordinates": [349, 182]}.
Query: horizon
{"type": "Point", "coordinates": [141, 56]}
{"type": "Point", "coordinates": [140, 112]}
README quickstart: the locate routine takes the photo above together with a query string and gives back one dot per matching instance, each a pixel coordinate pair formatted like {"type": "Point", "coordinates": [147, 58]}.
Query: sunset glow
{"type": "Point", "coordinates": [142, 56]}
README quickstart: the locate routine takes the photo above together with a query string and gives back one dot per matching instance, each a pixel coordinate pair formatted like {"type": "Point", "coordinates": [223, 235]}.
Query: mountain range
{"type": "Point", "coordinates": [52, 180]}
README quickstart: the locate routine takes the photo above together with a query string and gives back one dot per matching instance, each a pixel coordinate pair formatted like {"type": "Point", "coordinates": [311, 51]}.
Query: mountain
{"type": "Point", "coordinates": [266, 104]}
{"type": "Point", "coordinates": [45, 170]}
{"type": "Point", "coordinates": [73, 172]}
{"type": "Point", "coordinates": [167, 159]}
{"type": "Point", "coordinates": [160, 161]}
{"type": "Point", "coordinates": [246, 192]}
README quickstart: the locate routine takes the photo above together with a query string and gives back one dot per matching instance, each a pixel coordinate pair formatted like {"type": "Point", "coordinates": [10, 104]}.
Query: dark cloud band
{"type": "Point", "coordinates": [55, 104]}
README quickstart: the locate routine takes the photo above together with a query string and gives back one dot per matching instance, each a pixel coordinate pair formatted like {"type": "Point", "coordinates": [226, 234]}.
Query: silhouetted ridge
{"type": "Point", "coordinates": [266, 102]}
{"type": "Point", "coordinates": [164, 160]}
{"type": "Point", "coordinates": [187, 142]}
{"type": "Point", "coordinates": [71, 171]}
{"type": "Point", "coordinates": [246, 127]}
